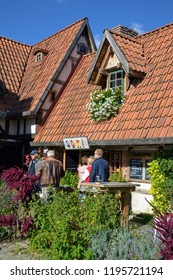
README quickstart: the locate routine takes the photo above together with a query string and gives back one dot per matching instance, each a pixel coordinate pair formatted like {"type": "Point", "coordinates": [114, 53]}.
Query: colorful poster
{"type": "Point", "coordinates": [77, 143]}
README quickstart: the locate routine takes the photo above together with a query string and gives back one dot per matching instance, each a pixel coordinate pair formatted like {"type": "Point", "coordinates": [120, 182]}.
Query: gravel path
{"type": "Point", "coordinates": [17, 250]}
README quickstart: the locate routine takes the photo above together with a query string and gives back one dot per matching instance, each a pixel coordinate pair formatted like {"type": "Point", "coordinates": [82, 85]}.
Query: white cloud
{"type": "Point", "coordinates": [137, 27]}
{"type": "Point", "coordinates": [97, 39]}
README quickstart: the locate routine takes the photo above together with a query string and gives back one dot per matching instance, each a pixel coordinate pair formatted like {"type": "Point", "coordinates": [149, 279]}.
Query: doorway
{"type": "Point", "coordinates": [72, 160]}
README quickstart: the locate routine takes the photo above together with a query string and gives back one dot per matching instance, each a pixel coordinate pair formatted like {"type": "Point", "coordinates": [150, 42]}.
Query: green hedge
{"type": "Point", "coordinates": [66, 224]}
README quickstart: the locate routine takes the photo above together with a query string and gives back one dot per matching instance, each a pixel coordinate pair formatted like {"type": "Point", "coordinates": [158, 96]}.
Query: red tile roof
{"type": "Point", "coordinates": [18, 64]}
{"type": "Point", "coordinates": [147, 111]}
{"type": "Point", "coordinates": [38, 75]}
{"type": "Point", "coordinates": [132, 50]}
{"type": "Point", "coordinates": [13, 57]}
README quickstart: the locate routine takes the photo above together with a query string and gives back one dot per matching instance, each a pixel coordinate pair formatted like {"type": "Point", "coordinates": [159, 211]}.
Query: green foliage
{"type": "Point", "coordinates": [157, 179]}
{"type": "Point", "coordinates": [105, 103]}
{"type": "Point", "coordinates": [124, 244]}
{"type": "Point", "coordinates": [161, 174]}
{"type": "Point", "coordinates": [117, 177]}
{"type": "Point", "coordinates": [69, 179]}
{"type": "Point", "coordinates": [65, 226]}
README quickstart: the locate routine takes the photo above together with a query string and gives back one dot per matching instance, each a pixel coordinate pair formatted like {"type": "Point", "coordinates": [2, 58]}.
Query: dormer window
{"type": "Point", "coordinates": [82, 48]}
{"type": "Point", "coordinates": [116, 79]}
{"type": "Point", "coordinates": [40, 54]}
{"type": "Point", "coordinates": [39, 57]}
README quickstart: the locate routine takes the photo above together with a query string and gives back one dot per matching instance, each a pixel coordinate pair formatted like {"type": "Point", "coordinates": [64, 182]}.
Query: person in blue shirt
{"type": "Point", "coordinates": [100, 168]}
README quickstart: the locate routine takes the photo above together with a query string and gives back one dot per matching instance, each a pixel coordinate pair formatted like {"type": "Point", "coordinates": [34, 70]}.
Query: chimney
{"type": "Point", "coordinates": [122, 30]}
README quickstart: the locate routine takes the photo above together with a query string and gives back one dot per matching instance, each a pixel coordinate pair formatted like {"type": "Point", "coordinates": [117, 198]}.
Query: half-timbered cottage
{"type": "Point", "coordinates": [50, 85]}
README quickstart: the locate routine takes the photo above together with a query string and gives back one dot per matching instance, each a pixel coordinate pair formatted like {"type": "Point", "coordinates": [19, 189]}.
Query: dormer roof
{"type": "Point", "coordinates": [38, 50]}
{"type": "Point", "coordinates": [128, 50]}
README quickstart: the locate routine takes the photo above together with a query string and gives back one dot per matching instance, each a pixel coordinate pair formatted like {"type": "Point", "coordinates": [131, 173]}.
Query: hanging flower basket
{"type": "Point", "coordinates": [105, 104]}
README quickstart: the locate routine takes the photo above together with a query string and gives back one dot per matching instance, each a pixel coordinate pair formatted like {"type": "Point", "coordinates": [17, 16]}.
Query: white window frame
{"type": "Point", "coordinates": [39, 57]}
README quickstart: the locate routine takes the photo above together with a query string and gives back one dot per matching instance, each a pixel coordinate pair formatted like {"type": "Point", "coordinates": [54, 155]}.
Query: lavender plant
{"type": "Point", "coordinates": [124, 244]}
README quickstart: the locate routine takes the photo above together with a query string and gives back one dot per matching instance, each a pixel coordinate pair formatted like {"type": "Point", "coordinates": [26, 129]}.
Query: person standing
{"type": "Point", "coordinates": [50, 172]}
{"type": "Point", "coordinates": [100, 168]}
{"type": "Point", "coordinates": [87, 172]}
{"type": "Point", "coordinates": [33, 166]}
{"type": "Point", "coordinates": [34, 163]}
{"type": "Point", "coordinates": [81, 168]}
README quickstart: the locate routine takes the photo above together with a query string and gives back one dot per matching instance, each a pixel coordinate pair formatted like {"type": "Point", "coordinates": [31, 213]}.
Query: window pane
{"type": "Point", "coordinates": [119, 83]}
{"type": "Point", "coordinates": [116, 79]}
{"type": "Point", "coordinates": [112, 77]}
{"type": "Point", "coordinates": [112, 84]}
{"type": "Point", "coordinates": [119, 75]}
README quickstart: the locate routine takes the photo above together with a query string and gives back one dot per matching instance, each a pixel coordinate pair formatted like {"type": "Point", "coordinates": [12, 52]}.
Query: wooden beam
{"type": "Point", "coordinates": [61, 82]}
{"type": "Point", "coordinates": [109, 52]}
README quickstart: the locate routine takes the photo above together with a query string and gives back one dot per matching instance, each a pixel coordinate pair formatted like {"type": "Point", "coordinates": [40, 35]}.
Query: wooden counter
{"type": "Point", "coordinates": [114, 187]}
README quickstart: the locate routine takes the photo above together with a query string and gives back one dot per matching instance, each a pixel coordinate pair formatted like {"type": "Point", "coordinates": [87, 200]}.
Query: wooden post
{"type": "Point", "coordinates": [125, 207]}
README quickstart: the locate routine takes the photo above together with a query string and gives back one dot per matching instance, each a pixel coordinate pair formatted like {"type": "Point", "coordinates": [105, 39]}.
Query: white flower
{"type": "Point", "coordinates": [104, 103]}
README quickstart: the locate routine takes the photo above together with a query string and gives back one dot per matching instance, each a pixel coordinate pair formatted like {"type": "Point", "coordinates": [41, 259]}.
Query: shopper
{"type": "Point", "coordinates": [100, 168]}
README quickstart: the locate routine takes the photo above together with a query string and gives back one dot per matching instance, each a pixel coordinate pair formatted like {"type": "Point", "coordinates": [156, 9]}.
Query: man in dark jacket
{"type": "Point", "coordinates": [100, 168]}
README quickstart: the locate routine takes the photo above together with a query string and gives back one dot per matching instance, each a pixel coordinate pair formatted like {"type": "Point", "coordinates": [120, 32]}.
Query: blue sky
{"type": "Point", "coordinates": [30, 21]}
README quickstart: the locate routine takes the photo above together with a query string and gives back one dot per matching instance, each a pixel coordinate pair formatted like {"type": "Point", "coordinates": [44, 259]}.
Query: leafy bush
{"type": "Point", "coordinates": [69, 179]}
{"type": "Point", "coordinates": [19, 189]}
{"type": "Point", "coordinates": [66, 225]}
{"type": "Point", "coordinates": [117, 177]}
{"type": "Point", "coordinates": [124, 244]}
{"type": "Point", "coordinates": [161, 184]}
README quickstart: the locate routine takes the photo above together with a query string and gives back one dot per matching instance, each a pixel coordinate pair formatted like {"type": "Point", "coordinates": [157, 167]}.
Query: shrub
{"type": "Point", "coordinates": [69, 179]}
{"type": "Point", "coordinates": [66, 225]}
{"type": "Point", "coordinates": [117, 177]}
{"type": "Point", "coordinates": [161, 184]}
{"type": "Point", "coordinates": [124, 244]}
{"type": "Point", "coordinates": [19, 189]}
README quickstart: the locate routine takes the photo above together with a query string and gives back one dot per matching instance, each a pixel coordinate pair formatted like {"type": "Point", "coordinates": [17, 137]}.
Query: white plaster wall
{"type": "Point", "coordinates": [139, 203]}
{"type": "Point", "coordinates": [112, 62]}
{"type": "Point", "coordinates": [66, 70]}
{"type": "Point", "coordinates": [13, 127]}
{"type": "Point", "coordinates": [29, 124]}
{"type": "Point", "coordinates": [143, 187]}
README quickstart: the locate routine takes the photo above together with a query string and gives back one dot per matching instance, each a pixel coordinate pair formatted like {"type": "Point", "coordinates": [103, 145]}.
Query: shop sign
{"type": "Point", "coordinates": [77, 143]}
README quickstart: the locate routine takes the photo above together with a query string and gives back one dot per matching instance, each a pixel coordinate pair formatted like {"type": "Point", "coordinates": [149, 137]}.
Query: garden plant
{"type": "Point", "coordinates": [73, 225]}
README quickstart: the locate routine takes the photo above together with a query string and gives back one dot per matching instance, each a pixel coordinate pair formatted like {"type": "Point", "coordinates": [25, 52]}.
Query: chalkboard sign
{"type": "Point", "coordinates": [136, 169]}
{"type": "Point", "coordinates": [147, 177]}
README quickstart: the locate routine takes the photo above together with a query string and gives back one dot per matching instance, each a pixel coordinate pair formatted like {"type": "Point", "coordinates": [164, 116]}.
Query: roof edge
{"type": "Point", "coordinates": [116, 142]}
